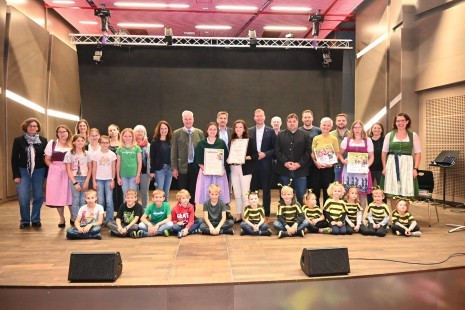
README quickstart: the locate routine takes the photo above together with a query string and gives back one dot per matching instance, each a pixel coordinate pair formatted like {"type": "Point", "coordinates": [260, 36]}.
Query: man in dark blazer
{"type": "Point", "coordinates": [225, 132]}
{"type": "Point", "coordinates": [265, 138]}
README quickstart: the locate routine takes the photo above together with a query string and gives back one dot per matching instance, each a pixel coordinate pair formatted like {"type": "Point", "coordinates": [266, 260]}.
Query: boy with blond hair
{"type": "Point", "coordinates": [214, 210]}
{"type": "Point", "coordinates": [156, 220]}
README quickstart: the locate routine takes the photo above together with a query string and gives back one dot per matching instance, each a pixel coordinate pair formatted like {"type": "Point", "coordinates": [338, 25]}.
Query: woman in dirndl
{"type": "Point", "coordinates": [58, 192]}
{"type": "Point", "coordinates": [401, 158]}
{"type": "Point", "coordinates": [357, 142]}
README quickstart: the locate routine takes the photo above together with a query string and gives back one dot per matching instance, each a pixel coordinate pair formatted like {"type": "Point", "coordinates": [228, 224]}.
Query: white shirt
{"type": "Point", "coordinates": [104, 163]}
{"type": "Point", "coordinates": [260, 132]}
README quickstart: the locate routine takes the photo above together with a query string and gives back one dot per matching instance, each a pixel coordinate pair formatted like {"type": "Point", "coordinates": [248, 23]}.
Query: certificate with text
{"type": "Point", "coordinates": [238, 151]}
{"type": "Point", "coordinates": [213, 162]}
{"type": "Point", "coordinates": [357, 162]}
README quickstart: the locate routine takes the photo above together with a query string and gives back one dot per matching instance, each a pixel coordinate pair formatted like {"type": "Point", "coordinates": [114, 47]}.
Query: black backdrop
{"type": "Point", "coordinates": [142, 85]}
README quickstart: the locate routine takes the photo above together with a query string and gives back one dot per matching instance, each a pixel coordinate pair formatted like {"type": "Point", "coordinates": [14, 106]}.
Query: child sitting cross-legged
{"type": "Point", "coordinates": [354, 211]}
{"type": "Point", "coordinates": [291, 220]}
{"type": "Point", "coordinates": [156, 220]}
{"type": "Point", "coordinates": [377, 213]}
{"type": "Point", "coordinates": [214, 210]}
{"type": "Point", "coordinates": [335, 209]}
{"type": "Point", "coordinates": [128, 216]}
{"type": "Point", "coordinates": [183, 216]}
{"type": "Point", "coordinates": [89, 219]}
{"type": "Point", "coordinates": [254, 218]}
{"type": "Point", "coordinates": [314, 215]}
{"type": "Point", "coordinates": [403, 222]}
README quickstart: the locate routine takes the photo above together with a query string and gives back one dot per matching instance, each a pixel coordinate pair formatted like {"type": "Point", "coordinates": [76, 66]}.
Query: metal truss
{"type": "Point", "coordinates": [137, 40]}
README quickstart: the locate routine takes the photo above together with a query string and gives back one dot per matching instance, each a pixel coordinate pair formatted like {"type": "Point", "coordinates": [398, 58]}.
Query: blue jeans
{"type": "Point", "coordinates": [298, 184]}
{"type": "Point", "coordinates": [249, 230]}
{"type": "Point", "coordinates": [105, 197]}
{"type": "Point", "coordinates": [195, 226]}
{"type": "Point", "coordinates": [127, 184]}
{"type": "Point", "coordinates": [72, 233]}
{"type": "Point", "coordinates": [79, 198]}
{"type": "Point", "coordinates": [161, 229]}
{"type": "Point", "coordinates": [163, 178]}
{"type": "Point", "coordinates": [337, 173]}
{"type": "Point", "coordinates": [279, 226]}
{"type": "Point", "coordinates": [23, 190]}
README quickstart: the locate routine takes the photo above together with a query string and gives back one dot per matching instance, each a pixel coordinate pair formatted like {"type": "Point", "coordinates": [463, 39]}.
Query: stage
{"type": "Point", "coordinates": [232, 272]}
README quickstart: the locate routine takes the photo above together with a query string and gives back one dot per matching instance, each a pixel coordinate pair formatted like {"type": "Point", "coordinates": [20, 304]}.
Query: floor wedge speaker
{"type": "Point", "coordinates": [95, 267]}
{"type": "Point", "coordinates": [325, 262]}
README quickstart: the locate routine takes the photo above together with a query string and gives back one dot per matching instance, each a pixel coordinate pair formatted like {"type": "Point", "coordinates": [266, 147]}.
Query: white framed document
{"type": "Point", "coordinates": [213, 162]}
{"type": "Point", "coordinates": [238, 151]}
{"type": "Point", "coordinates": [325, 154]}
{"type": "Point", "coordinates": [357, 162]}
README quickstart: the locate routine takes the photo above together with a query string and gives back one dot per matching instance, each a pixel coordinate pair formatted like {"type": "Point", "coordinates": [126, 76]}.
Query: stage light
{"type": "Point", "coordinates": [252, 38]}
{"type": "Point", "coordinates": [104, 15]}
{"type": "Point", "coordinates": [168, 36]}
{"type": "Point", "coordinates": [98, 54]}
{"type": "Point", "coordinates": [326, 58]}
{"type": "Point", "coordinates": [316, 19]}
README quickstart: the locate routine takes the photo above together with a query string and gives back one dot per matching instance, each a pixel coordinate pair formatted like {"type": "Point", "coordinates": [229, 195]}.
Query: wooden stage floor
{"type": "Point", "coordinates": [40, 257]}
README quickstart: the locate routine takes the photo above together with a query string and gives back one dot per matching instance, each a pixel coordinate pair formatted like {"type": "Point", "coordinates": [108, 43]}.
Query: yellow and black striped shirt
{"type": "Point", "coordinates": [312, 213]}
{"type": "Point", "coordinates": [405, 219]}
{"type": "Point", "coordinates": [290, 214]}
{"type": "Point", "coordinates": [352, 210]}
{"type": "Point", "coordinates": [254, 215]}
{"type": "Point", "coordinates": [378, 213]}
{"type": "Point", "coordinates": [335, 209]}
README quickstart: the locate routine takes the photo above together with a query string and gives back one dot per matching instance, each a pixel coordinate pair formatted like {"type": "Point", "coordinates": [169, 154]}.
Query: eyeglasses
{"type": "Point", "coordinates": [33, 126]}
{"type": "Point", "coordinates": [62, 132]}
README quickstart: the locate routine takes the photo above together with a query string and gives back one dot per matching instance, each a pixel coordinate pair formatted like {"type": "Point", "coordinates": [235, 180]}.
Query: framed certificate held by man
{"type": "Point", "coordinates": [213, 162]}
{"type": "Point", "coordinates": [238, 151]}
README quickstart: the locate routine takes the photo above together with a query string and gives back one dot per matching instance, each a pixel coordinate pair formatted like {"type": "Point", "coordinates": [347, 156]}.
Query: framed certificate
{"type": "Point", "coordinates": [213, 162]}
{"type": "Point", "coordinates": [357, 162]}
{"type": "Point", "coordinates": [325, 154]}
{"type": "Point", "coordinates": [238, 151]}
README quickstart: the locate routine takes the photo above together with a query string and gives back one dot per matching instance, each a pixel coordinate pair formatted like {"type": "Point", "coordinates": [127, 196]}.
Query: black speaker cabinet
{"type": "Point", "coordinates": [325, 262]}
{"type": "Point", "coordinates": [95, 267]}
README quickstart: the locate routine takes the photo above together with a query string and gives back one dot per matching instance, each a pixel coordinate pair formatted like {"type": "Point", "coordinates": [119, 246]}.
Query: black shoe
{"type": "Point", "coordinates": [22, 226]}
{"type": "Point", "coordinates": [71, 222]}
{"type": "Point", "coordinates": [236, 221]}
{"type": "Point", "coordinates": [282, 234]}
{"type": "Point", "coordinates": [265, 233]}
{"type": "Point", "coordinates": [228, 231]}
{"type": "Point", "coordinates": [243, 232]}
{"type": "Point", "coordinates": [62, 225]}
{"type": "Point", "coordinates": [36, 224]}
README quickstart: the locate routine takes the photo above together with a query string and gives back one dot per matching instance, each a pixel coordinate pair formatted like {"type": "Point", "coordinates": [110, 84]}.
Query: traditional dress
{"type": "Point", "coordinates": [398, 180]}
{"type": "Point", "coordinates": [58, 192]}
{"type": "Point", "coordinates": [204, 181]}
{"type": "Point", "coordinates": [362, 181]}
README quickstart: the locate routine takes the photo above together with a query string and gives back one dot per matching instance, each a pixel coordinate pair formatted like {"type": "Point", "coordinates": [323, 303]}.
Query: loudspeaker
{"type": "Point", "coordinates": [325, 262]}
{"type": "Point", "coordinates": [95, 267]}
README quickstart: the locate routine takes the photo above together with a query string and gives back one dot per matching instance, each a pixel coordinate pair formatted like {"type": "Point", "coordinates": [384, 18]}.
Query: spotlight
{"type": "Point", "coordinates": [326, 58]}
{"type": "Point", "coordinates": [290, 35]}
{"type": "Point", "coordinates": [98, 54]}
{"type": "Point", "coordinates": [316, 19]}
{"type": "Point", "coordinates": [168, 36]}
{"type": "Point", "coordinates": [252, 38]}
{"type": "Point", "coordinates": [104, 15]}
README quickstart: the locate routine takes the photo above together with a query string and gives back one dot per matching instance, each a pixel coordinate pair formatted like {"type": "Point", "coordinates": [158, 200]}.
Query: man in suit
{"type": "Point", "coordinates": [265, 138]}
{"type": "Point", "coordinates": [183, 146]}
{"type": "Point", "coordinates": [224, 133]}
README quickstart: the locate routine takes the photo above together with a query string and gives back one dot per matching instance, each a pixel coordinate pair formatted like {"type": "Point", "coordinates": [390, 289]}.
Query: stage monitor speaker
{"type": "Point", "coordinates": [325, 262]}
{"type": "Point", "coordinates": [95, 267]}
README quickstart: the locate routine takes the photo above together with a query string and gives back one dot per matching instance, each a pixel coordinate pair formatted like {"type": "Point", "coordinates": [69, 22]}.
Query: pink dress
{"type": "Point", "coordinates": [362, 181]}
{"type": "Point", "coordinates": [58, 192]}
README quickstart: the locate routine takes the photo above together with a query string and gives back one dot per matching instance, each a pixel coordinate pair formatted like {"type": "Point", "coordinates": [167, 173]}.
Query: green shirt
{"type": "Point", "coordinates": [128, 156]}
{"type": "Point", "coordinates": [158, 214]}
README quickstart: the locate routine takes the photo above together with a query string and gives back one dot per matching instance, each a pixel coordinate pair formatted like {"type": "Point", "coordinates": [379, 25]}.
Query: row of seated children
{"type": "Point", "coordinates": [337, 217]}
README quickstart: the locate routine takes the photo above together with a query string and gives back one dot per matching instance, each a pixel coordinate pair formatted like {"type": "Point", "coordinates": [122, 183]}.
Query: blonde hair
{"type": "Point", "coordinates": [346, 197]}
{"type": "Point", "coordinates": [378, 190]}
{"type": "Point", "coordinates": [214, 188]}
{"type": "Point", "coordinates": [334, 185]}
{"type": "Point", "coordinates": [287, 189]}
{"type": "Point", "coordinates": [121, 142]}
{"type": "Point", "coordinates": [407, 202]}
{"type": "Point", "coordinates": [91, 191]}
{"type": "Point", "coordinates": [182, 193]}
{"type": "Point", "coordinates": [308, 195]}
{"type": "Point", "coordinates": [352, 134]}
{"type": "Point", "coordinates": [131, 192]}
{"type": "Point", "coordinates": [158, 192]}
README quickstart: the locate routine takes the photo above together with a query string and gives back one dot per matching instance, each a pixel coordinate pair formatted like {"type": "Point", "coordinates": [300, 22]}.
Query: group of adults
{"type": "Point", "coordinates": [289, 153]}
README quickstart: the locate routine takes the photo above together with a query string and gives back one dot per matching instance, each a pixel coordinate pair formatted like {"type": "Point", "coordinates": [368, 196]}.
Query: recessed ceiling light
{"type": "Point", "coordinates": [285, 28]}
{"type": "Point", "coordinates": [151, 5]}
{"type": "Point", "coordinates": [88, 22]}
{"type": "Point", "coordinates": [291, 8]}
{"type": "Point", "coordinates": [236, 7]}
{"type": "Point", "coordinates": [213, 27]}
{"type": "Point", "coordinates": [63, 2]}
{"type": "Point", "coordinates": [139, 25]}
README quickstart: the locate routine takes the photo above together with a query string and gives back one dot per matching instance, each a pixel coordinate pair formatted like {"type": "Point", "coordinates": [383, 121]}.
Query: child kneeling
{"type": "Point", "coordinates": [214, 214]}
{"type": "Point", "coordinates": [254, 218]}
{"type": "Point", "coordinates": [156, 220]}
{"type": "Point", "coordinates": [89, 219]}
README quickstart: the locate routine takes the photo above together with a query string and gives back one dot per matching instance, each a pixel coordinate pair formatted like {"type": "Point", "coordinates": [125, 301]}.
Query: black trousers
{"type": "Point", "coordinates": [320, 180]}
{"type": "Point", "coordinates": [261, 178]}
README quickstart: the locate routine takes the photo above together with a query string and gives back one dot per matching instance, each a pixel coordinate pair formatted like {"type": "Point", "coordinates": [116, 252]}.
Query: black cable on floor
{"type": "Point", "coordinates": [398, 261]}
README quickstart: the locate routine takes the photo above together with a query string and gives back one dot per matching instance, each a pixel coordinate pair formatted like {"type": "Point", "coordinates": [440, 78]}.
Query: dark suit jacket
{"type": "Point", "coordinates": [267, 147]}
{"type": "Point", "coordinates": [294, 147]}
